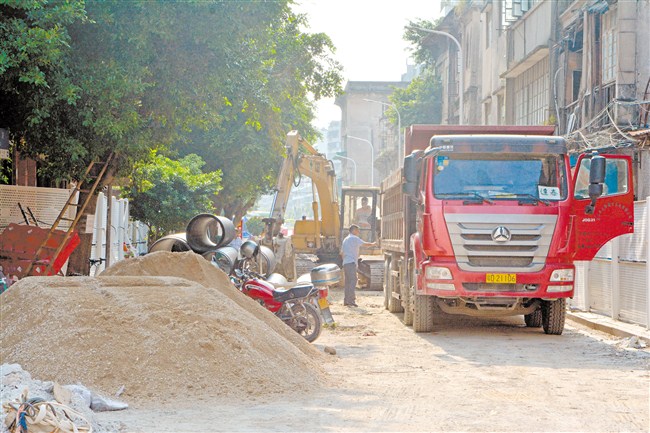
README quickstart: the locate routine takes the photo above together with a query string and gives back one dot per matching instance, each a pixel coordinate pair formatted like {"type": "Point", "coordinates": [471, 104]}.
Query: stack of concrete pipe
{"type": "Point", "coordinates": [210, 236]}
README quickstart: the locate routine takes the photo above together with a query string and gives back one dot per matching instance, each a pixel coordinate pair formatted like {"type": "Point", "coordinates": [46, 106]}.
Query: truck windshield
{"type": "Point", "coordinates": [524, 177]}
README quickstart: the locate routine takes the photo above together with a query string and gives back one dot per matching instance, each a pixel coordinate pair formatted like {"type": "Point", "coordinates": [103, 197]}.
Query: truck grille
{"type": "Point", "coordinates": [525, 251]}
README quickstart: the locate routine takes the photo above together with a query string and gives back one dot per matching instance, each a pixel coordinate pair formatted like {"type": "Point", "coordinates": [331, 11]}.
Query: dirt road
{"type": "Point", "coordinates": [468, 375]}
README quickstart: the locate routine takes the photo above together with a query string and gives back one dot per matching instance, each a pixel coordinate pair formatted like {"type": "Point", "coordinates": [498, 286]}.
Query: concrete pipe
{"type": "Point", "coordinates": [225, 258]}
{"type": "Point", "coordinates": [207, 232]}
{"type": "Point", "coordinates": [266, 258]}
{"type": "Point", "coordinates": [176, 243]}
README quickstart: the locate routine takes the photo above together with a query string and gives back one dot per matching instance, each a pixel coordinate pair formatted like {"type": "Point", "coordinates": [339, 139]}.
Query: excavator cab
{"type": "Point", "coordinates": [360, 206]}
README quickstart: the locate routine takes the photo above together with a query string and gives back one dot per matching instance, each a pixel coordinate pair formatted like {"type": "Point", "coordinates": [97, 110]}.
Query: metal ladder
{"type": "Point", "coordinates": [103, 166]}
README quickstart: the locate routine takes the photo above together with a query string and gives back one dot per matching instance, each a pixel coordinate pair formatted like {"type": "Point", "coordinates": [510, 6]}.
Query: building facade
{"type": "Point", "coordinates": [582, 65]}
{"type": "Point", "coordinates": [369, 142]}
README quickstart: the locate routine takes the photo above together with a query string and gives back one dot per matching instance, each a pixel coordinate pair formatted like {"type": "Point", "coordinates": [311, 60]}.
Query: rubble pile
{"type": "Point", "coordinates": [14, 381]}
{"type": "Point", "coordinates": [156, 338]}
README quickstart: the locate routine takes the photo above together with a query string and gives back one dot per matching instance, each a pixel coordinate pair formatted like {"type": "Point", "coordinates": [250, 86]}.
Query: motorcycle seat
{"type": "Point", "coordinates": [295, 292]}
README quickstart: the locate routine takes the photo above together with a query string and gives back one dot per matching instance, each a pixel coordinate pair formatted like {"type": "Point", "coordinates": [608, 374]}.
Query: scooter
{"type": "Point", "coordinates": [294, 306]}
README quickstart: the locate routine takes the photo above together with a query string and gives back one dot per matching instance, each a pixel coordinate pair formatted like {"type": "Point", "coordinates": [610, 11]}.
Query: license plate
{"type": "Point", "coordinates": [501, 278]}
{"type": "Point", "coordinates": [322, 303]}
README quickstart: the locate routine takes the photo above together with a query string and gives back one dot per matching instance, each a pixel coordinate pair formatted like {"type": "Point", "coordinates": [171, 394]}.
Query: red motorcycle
{"type": "Point", "coordinates": [294, 306]}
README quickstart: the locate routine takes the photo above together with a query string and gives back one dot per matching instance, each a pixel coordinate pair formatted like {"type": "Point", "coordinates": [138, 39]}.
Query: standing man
{"type": "Point", "coordinates": [350, 252]}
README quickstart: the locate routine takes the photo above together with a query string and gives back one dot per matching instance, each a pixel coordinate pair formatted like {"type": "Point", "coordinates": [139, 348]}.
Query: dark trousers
{"type": "Point", "coordinates": [350, 273]}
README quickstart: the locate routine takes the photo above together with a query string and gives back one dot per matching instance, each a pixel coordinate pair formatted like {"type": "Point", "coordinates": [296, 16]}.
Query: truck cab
{"type": "Point", "coordinates": [495, 223]}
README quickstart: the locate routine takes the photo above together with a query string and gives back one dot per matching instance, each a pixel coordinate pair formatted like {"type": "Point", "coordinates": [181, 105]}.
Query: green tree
{"type": "Point", "coordinates": [166, 194]}
{"type": "Point", "coordinates": [255, 226]}
{"type": "Point", "coordinates": [420, 102]}
{"type": "Point", "coordinates": [34, 72]}
{"type": "Point", "coordinates": [222, 80]}
{"type": "Point", "coordinates": [249, 144]}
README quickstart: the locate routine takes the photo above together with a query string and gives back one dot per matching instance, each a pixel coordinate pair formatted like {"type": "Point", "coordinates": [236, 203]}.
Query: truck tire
{"type": "Point", "coordinates": [387, 288]}
{"type": "Point", "coordinates": [423, 313]}
{"type": "Point", "coordinates": [394, 304]}
{"type": "Point", "coordinates": [534, 319]}
{"type": "Point", "coordinates": [408, 292]}
{"type": "Point", "coordinates": [553, 315]}
{"type": "Point", "coordinates": [422, 305]}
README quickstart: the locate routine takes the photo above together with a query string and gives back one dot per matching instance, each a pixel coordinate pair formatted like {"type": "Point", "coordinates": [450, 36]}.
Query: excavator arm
{"type": "Point", "coordinates": [319, 233]}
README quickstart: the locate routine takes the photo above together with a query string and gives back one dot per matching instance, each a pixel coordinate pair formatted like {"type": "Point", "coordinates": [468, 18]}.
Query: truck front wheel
{"type": "Point", "coordinates": [423, 313]}
{"type": "Point", "coordinates": [422, 306]}
{"type": "Point", "coordinates": [553, 315]}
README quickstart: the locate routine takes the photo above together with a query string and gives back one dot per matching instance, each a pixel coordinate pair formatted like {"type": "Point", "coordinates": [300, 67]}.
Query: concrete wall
{"type": "Point", "coordinates": [626, 77]}
{"type": "Point", "coordinates": [364, 120]}
{"type": "Point", "coordinates": [530, 32]}
{"type": "Point", "coordinates": [642, 50]}
{"type": "Point", "coordinates": [472, 43]}
{"type": "Point", "coordinates": [494, 63]}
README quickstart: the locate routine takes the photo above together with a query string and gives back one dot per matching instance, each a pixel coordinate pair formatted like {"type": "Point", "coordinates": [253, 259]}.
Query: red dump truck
{"type": "Point", "coordinates": [488, 221]}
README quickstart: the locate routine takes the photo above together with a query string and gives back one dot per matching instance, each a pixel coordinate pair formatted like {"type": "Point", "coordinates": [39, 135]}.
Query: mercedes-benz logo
{"type": "Point", "coordinates": [501, 234]}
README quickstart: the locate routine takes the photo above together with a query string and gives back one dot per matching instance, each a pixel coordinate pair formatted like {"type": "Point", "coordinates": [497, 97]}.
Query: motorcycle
{"type": "Point", "coordinates": [294, 305]}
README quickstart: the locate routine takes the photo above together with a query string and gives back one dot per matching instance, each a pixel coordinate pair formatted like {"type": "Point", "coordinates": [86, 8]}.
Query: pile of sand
{"type": "Point", "coordinates": [160, 338]}
{"type": "Point", "coordinates": [194, 267]}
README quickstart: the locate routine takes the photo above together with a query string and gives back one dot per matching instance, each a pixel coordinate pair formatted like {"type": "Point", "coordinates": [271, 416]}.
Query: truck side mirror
{"type": "Point", "coordinates": [410, 188]}
{"type": "Point", "coordinates": [597, 169]}
{"type": "Point", "coordinates": [411, 169]}
{"type": "Point", "coordinates": [596, 180]}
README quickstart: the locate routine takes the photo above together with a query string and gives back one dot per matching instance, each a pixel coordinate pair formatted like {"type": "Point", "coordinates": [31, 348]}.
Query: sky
{"type": "Point", "coordinates": [367, 35]}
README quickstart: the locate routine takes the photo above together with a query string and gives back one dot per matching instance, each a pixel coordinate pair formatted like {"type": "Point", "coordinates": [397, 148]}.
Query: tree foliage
{"type": "Point", "coordinates": [166, 194]}
{"type": "Point", "coordinates": [222, 80]}
{"type": "Point", "coordinates": [421, 101]}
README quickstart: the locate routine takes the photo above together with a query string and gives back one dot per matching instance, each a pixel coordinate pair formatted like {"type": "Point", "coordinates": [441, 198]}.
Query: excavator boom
{"type": "Point", "coordinates": [323, 232]}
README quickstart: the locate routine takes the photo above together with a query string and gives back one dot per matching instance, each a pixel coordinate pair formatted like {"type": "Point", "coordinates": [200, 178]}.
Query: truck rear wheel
{"type": "Point", "coordinates": [387, 289]}
{"type": "Point", "coordinates": [394, 304]}
{"type": "Point", "coordinates": [408, 292]}
{"type": "Point", "coordinates": [534, 319]}
{"type": "Point", "coordinates": [553, 315]}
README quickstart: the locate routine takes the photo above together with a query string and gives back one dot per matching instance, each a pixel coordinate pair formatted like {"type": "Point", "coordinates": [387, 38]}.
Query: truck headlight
{"type": "Point", "coordinates": [437, 273]}
{"type": "Point", "coordinates": [562, 275]}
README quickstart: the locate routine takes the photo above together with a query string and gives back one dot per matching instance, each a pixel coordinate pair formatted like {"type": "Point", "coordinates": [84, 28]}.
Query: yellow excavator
{"type": "Point", "coordinates": [319, 239]}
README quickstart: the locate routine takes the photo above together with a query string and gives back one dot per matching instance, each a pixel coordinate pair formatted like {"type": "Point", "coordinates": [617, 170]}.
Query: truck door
{"type": "Point", "coordinates": [614, 212]}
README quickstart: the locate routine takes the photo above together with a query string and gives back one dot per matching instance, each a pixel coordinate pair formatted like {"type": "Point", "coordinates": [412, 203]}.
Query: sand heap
{"type": "Point", "coordinates": [159, 337]}
{"type": "Point", "coordinates": [194, 267]}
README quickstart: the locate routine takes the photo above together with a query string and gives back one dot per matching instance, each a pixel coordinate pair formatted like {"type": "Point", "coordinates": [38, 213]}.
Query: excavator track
{"type": "Point", "coordinates": [371, 269]}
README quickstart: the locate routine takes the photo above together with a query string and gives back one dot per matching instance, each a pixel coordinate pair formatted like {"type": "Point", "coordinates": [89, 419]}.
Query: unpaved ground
{"type": "Point", "coordinates": [468, 375]}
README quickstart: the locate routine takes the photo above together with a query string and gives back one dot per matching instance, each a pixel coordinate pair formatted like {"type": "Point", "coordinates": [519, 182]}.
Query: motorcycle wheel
{"type": "Point", "coordinates": [306, 321]}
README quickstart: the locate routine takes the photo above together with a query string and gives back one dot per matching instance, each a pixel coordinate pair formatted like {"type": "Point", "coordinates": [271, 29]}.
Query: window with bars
{"type": "Point", "coordinates": [531, 94]}
{"type": "Point", "coordinates": [608, 46]}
